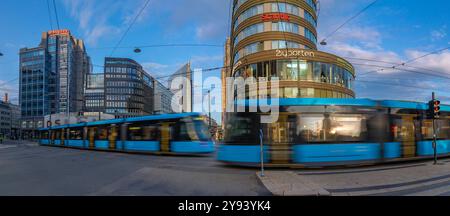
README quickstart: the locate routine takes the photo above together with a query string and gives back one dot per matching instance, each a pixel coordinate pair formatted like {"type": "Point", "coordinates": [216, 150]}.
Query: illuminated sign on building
{"type": "Point", "coordinates": [294, 53]}
{"type": "Point", "coordinates": [59, 32]}
{"type": "Point", "coordinates": [275, 17]}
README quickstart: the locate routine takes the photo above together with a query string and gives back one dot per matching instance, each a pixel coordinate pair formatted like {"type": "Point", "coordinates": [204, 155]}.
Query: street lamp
{"type": "Point", "coordinates": [137, 50]}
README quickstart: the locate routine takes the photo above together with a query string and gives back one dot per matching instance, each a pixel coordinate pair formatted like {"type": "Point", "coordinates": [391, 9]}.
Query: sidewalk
{"type": "Point", "coordinates": [412, 179]}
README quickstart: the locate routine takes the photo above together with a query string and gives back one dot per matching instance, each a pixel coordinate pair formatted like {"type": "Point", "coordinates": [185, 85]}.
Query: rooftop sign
{"type": "Point", "coordinates": [59, 32]}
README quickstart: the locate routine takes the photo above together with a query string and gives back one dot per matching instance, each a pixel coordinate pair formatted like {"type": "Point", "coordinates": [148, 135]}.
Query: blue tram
{"type": "Point", "coordinates": [184, 133]}
{"type": "Point", "coordinates": [335, 132]}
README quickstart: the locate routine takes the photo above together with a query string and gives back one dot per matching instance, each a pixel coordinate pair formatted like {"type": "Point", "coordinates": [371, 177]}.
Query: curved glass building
{"type": "Point", "coordinates": [271, 38]}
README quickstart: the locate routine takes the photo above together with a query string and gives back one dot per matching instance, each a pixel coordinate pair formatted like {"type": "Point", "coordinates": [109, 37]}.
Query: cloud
{"type": "Point", "coordinates": [361, 39]}
{"type": "Point", "coordinates": [106, 18]}
{"type": "Point", "coordinates": [439, 34]}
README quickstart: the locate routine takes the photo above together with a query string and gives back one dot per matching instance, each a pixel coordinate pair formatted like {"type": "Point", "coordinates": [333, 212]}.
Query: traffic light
{"type": "Point", "coordinates": [435, 109]}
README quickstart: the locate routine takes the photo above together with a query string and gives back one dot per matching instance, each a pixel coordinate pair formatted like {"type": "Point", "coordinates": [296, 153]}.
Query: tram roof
{"type": "Point", "coordinates": [135, 119]}
{"type": "Point", "coordinates": [162, 117]}
{"type": "Point", "coordinates": [346, 102]}
{"type": "Point", "coordinates": [315, 102]}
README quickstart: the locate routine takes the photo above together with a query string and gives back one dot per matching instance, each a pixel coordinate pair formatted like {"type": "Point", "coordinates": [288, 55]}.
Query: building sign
{"type": "Point", "coordinates": [294, 53]}
{"type": "Point", "coordinates": [59, 32]}
{"type": "Point", "coordinates": [276, 17]}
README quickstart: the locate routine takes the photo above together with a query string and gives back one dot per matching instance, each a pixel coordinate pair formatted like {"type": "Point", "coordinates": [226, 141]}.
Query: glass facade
{"type": "Point", "coordinates": [128, 88]}
{"type": "Point", "coordinates": [33, 76]}
{"type": "Point", "coordinates": [95, 93]}
{"type": "Point", "coordinates": [276, 26]}
{"type": "Point", "coordinates": [299, 70]}
{"type": "Point", "coordinates": [280, 7]}
{"type": "Point", "coordinates": [52, 78]}
{"type": "Point", "coordinates": [303, 72]}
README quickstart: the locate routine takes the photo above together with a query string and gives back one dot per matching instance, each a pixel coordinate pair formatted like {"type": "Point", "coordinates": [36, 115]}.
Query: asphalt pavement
{"type": "Point", "coordinates": [29, 169]}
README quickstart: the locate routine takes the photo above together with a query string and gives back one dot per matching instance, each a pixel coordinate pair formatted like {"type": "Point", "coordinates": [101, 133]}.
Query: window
{"type": "Point", "coordinates": [141, 132]}
{"type": "Point", "coordinates": [288, 70]}
{"type": "Point", "coordinates": [102, 133]}
{"type": "Point", "coordinates": [332, 128]}
{"type": "Point", "coordinates": [442, 126]}
{"type": "Point", "coordinates": [253, 11]}
{"type": "Point", "coordinates": [249, 31]}
{"type": "Point", "coordinates": [280, 44]}
{"type": "Point", "coordinates": [285, 8]}
{"type": "Point", "coordinates": [310, 19]}
{"type": "Point", "coordinates": [76, 133]}
{"type": "Point", "coordinates": [291, 92]}
{"type": "Point", "coordinates": [191, 130]}
{"type": "Point", "coordinates": [286, 27]}
{"type": "Point", "coordinates": [310, 36]}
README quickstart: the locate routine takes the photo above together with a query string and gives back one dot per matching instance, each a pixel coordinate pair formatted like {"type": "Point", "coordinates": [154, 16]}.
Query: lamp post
{"type": "Point", "coordinates": [209, 108]}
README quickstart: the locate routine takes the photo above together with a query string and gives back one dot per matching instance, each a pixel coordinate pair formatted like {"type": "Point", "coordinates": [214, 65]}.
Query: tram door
{"type": "Point", "coordinates": [113, 137]}
{"type": "Point", "coordinates": [52, 137]}
{"type": "Point", "coordinates": [165, 137]}
{"type": "Point", "coordinates": [91, 136]}
{"type": "Point", "coordinates": [280, 136]}
{"type": "Point", "coordinates": [63, 137]}
{"type": "Point", "coordinates": [408, 136]}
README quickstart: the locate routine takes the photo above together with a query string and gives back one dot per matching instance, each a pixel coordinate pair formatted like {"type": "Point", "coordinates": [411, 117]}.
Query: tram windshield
{"type": "Point", "coordinates": [192, 130]}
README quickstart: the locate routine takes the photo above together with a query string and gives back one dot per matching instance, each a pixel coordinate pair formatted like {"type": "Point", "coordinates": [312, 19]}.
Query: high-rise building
{"type": "Point", "coordinates": [226, 70]}
{"type": "Point", "coordinates": [187, 99]}
{"type": "Point", "coordinates": [128, 88]}
{"type": "Point", "coordinates": [52, 78]}
{"type": "Point", "coordinates": [94, 93]}
{"type": "Point", "coordinates": [279, 40]}
{"type": "Point", "coordinates": [162, 99]}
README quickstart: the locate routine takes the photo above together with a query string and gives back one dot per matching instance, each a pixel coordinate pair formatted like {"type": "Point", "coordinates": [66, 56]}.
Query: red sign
{"type": "Point", "coordinates": [59, 32]}
{"type": "Point", "coordinates": [275, 17]}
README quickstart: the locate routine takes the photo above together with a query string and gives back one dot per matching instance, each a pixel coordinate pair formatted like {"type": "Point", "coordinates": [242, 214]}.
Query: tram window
{"type": "Point", "coordinates": [76, 134]}
{"type": "Point", "coordinates": [241, 129]}
{"type": "Point", "coordinates": [102, 133]}
{"type": "Point", "coordinates": [332, 128]}
{"type": "Point", "coordinates": [187, 130]}
{"type": "Point", "coordinates": [44, 135]}
{"type": "Point", "coordinates": [57, 134]}
{"type": "Point", "coordinates": [442, 129]}
{"type": "Point", "coordinates": [138, 132]}
{"type": "Point", "coordinates": [402, 129]}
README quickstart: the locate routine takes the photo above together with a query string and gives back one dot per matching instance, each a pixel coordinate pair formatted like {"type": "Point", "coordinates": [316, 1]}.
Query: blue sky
{"type": "Point", "coordinates": [390, 31]}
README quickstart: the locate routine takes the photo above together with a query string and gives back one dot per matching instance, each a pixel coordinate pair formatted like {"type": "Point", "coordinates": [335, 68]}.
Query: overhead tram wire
{"type": "Point", "coordinates": [49, 14]}
{"type": "Point", "coordinates": [398, 85]}
{"type": "Point", "coordinates": [56, 14]}
{"type": "Point", "coordinates": [405, 70]}
{"type": "Point", "coordinates": [409, 61]}
{"type": "Point", "coordinates": [346, 22]}
{"type": "Point", "coordinates": [129, 27]}
{"type": "Point", "coordinates": [391, 63]}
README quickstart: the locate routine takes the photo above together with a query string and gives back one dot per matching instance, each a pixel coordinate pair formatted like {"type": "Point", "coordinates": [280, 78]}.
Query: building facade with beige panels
{"type": "Point", "coordinates": [278, 39]}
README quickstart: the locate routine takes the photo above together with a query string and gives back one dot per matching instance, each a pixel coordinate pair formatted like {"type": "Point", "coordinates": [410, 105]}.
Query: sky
{"type": "Point", "coordinates": [392, 31]}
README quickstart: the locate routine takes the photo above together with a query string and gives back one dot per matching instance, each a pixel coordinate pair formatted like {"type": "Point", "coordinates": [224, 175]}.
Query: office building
{"type": "Point", "coordinates": [279, 40]}
{"type": "Point", "coordinates": [9, 119]}
{"type": "Point", "coordinates": [95, 93]}
{"type": "Point", "coordinates": [52, 78]}
{"type": "Point", "coordinates": [128, 88]}
{"type": "Point", "coordinates": [162, 99]}
{"type": "Point", "coordinates": [187, 99]}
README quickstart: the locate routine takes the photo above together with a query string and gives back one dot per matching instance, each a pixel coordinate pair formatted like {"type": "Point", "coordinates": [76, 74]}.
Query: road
{"type": "Point", "coordinates": [29, 169]}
